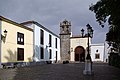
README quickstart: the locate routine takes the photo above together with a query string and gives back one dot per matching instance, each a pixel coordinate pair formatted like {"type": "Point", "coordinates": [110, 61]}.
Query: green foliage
{"type": "Point", "coordinates": [109, 11]}
{"type": "Point", "coordinates": [114, 60]}
{"type": "Point", "coordinates": [113, 34]}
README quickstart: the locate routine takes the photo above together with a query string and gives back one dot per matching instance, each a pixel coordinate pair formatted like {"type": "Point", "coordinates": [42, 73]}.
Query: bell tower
{"type": "Point", "coordinates": [65, 32]}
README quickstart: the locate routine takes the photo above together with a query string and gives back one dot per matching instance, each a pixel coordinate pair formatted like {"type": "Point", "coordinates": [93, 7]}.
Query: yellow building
{"type": "Point", "coordinates": [16, 42]}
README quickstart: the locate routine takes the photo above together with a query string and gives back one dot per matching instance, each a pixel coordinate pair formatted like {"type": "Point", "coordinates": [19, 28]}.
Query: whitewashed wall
{"type": "Point", "coordinates": [46, 47]}
{"type": "Point", "coordinates": [101, 51]}
{"type": "Point", "coordinates": [36, 43]}
{"type": "Point", "coordinates": [75, 42]}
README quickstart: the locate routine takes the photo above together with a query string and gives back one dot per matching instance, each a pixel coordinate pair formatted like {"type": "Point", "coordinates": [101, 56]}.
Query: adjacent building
{"type": "Point", "coordinates": [46, 43]}
{"type": "Point", "coordinates": [16, 42]}
{"type": "Point", "coordinates": [99, 52]}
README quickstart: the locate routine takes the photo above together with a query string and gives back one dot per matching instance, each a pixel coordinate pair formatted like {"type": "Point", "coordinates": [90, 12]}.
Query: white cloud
{"type": "Point", "coordinates": [51, 12]}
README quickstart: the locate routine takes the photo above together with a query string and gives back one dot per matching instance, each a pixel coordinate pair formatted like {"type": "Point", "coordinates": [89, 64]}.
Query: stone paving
{"type": "Point", "coordinates": [72, 71]}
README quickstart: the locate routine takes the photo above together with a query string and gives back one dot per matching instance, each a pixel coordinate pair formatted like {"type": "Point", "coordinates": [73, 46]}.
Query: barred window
{"type": "Point", "coordinates": [41, 37]}
{"type": "Point", "coordinates": [50, 40]}
{"type": "Point", "coordinates": [20, 38]}
{"type": "Point", "coordinates": [97, 56]}
{"type": "Point", "coordinates": [56, 43]}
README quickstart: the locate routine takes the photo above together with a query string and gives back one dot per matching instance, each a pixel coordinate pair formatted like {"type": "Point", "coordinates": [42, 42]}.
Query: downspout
{"type": "Point", "coordinates": [33, 42]}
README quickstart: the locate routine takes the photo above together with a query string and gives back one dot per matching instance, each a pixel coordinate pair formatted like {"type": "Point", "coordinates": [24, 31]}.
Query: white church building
{"type": "Point", "coordinates": [74, 47]}
{"type": "Point", "coordinates": [46, 43]}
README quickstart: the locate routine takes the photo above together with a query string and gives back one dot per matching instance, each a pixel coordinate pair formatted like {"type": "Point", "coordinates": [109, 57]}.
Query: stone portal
{"type": "Point", "coordinates": [79, 54]}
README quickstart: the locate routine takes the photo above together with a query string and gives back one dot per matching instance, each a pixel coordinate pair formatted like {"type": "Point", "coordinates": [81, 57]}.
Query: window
{"type": "Point", "coordinates": [41, 37]}
{"type": "Point", "coordinates": [97, 56]}
{"type": "Point", "coordinates": [20, 38]}
{"type": "Point", "coordinates": [20, 54]}
{"type": "Point", "coordinates": [97, 50]}
{"type": "Point", "coordinates": [50, 55]}
{"type": "Point", "coordinates": [50, 40]}
{"type": "Point", "coordinates": [42, 53]}
{"type": "Point", "coordinates": [56, 55]}
{"type": "Point", "coordinates": [55, 42]}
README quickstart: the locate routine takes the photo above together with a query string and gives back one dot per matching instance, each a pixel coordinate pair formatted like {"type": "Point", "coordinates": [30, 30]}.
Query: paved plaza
{"type": "Point", "coordinates": [72, 71]}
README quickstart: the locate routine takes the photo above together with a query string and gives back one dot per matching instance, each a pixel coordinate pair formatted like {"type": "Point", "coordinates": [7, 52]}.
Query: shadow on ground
{"type": "Point", "coordinates": [64, 72]}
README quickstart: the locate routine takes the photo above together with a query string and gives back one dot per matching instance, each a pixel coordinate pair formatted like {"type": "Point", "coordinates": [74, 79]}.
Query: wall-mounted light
{"type": "Point", "coordinates": [5, 33]}
{"type": "Point", "coordinates": [3, 37]}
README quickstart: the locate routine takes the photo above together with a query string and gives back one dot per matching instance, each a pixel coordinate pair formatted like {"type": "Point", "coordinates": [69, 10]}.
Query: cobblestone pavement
{"type": "Point", "coordinates": [73, 71]}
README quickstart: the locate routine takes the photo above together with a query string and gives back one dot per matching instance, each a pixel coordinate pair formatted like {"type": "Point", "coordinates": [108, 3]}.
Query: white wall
{"type": "Point", "coordinates": [75, 42]}
{"type": "Point", "coordinates": [101, 51]}
{"type": "Point", "coordinates": [46, 49]}
{"type": "Point", "coordinates": [37, 44]}
{"type": "Point", "coordinates": [106, 52]}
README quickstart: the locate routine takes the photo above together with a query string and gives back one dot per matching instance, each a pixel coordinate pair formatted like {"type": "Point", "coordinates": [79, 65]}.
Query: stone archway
{"type": "Point", "coordinates": [79, 54]}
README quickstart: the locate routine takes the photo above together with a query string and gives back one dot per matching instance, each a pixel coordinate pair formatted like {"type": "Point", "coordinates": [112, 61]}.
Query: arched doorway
{"type": "Point", "coordinates": [79, 54]}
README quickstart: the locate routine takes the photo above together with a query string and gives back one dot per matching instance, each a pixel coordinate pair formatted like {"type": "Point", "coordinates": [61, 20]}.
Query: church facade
{"type": "Point", "coordinates": [73, 48]}
{"type": "Point", "coordinates": [78, 46]}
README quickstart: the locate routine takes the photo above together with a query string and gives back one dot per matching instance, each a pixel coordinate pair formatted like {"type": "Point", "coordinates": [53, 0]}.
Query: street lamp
{"type": "Point", "coordinates": [82, 32]}
{"type": "Point", "coordinates": [88, 62]}
{"type": "Point", "coordinates": [89, 34]}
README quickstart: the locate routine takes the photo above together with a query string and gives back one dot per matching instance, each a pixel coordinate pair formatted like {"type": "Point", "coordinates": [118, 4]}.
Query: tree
{"type": "Point", "coordinates": [109, 11]}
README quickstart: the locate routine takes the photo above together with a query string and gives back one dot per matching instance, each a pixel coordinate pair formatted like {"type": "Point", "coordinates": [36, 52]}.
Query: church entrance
{"type": "Point", "coordinates": [79, 54]}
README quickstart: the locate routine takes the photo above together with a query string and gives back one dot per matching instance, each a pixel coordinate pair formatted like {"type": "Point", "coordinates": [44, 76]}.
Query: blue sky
{"type": "Point", "coordinates": [50, 13]}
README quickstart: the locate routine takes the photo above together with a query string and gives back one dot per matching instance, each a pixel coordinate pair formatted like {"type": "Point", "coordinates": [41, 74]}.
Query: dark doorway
{"type": "Point", "coordinates": [20, 55]}
{"type": "Point", "coordinates": [79, 54]}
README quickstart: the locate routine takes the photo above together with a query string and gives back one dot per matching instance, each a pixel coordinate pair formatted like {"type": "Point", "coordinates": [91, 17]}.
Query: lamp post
{"type": "Point", "coordinates": [88, 61]}
{"type": "Point", "coordinates": [89, 34]}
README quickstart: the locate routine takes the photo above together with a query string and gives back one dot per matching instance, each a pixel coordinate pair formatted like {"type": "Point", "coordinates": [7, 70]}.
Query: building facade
{"type": "Point", "coordinates": [46, 43]}
{"type": "Point", "coordinates": [73, 48]}
{"type": "Point", "coordinates": [65, 32]}
{"type": "Point", "coordinates": [99, 52]}
{"type": "Point", "coordinates": [78, 48]}
{"type": "Point", "coordinates": [16, 42]}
